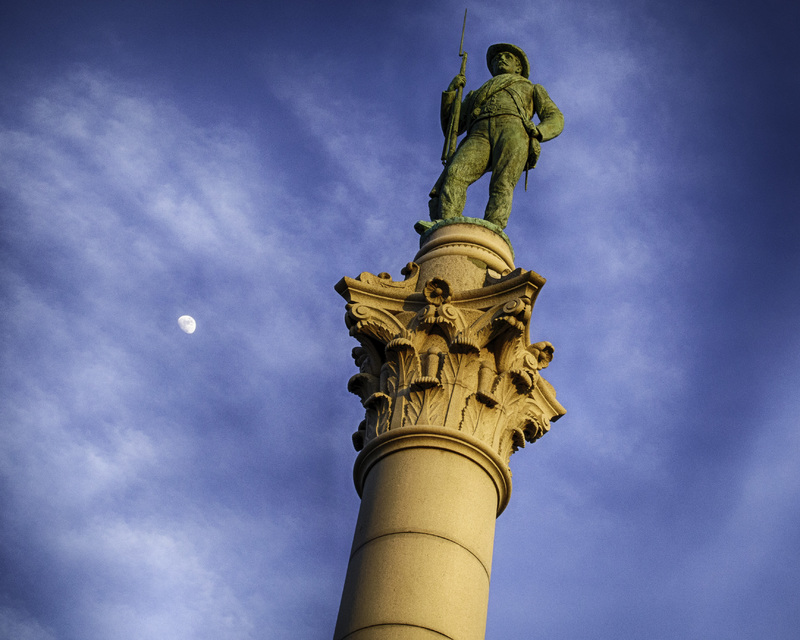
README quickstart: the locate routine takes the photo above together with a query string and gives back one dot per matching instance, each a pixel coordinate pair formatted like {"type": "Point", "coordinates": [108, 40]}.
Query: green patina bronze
{"type": "Point", "coordinates": [501, 137]}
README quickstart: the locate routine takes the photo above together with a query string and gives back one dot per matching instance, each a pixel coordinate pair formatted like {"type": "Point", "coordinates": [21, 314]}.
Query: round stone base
{"type": "Point", "coordinates": [466, 254]}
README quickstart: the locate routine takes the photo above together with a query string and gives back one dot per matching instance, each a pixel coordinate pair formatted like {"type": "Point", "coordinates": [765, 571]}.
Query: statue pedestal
{"type": "Point", "coordinates": [451, 388]}
{"type": "Point", "coordinates": [464, 254]}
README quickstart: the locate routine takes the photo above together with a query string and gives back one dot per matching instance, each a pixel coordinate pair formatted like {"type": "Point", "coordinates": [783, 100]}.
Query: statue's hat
{"type": "Point", "coordinates": [492, 51]}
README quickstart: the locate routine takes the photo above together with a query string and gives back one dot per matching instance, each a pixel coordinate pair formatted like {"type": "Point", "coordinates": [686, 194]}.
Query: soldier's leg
{"type": "Point", "coordinates": [433, 203]}
{"type": "Point", "coordinates": [470, 162]}
{"type": "Point", "coordinates": [509, 156]}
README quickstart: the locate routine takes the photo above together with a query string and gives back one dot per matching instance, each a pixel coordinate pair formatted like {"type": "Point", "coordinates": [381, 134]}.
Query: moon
{"type": "Point", "coordinates": [187, 324]}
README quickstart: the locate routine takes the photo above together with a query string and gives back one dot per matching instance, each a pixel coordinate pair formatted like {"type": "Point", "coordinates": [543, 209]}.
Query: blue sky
{"type": "Point", "coordinates": [233, 161]}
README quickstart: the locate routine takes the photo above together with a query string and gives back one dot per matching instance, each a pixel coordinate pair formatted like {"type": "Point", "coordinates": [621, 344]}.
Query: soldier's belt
{"type": "Point", "coordinates": [484, 116]}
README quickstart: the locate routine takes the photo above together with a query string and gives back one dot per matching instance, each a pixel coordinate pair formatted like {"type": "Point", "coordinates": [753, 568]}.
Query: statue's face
{"type": "Point", "coordinates": [506, 62]}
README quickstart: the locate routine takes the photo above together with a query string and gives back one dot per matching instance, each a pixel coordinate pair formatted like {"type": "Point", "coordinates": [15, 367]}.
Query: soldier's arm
{"type": "Point", "coordinates": [551, 120]}
{"type": "Point", "coordinates": [448, 100]}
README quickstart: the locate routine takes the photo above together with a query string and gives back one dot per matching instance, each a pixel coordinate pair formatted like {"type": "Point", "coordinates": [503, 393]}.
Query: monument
{"type": "Point", "coordinates": [450, 383]}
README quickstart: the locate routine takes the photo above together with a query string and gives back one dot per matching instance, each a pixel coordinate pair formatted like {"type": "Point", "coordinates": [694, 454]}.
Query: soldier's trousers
{"type": "Point", "coordinates": [498, 144]}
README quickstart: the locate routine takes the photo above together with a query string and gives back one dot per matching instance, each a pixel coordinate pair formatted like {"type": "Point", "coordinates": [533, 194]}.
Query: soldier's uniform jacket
{"type": "Point", "coordinates": [508, 94]}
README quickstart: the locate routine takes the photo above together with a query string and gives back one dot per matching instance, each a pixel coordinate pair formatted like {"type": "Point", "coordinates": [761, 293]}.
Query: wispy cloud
{"type": "Point", "coordinates": [125, 216]}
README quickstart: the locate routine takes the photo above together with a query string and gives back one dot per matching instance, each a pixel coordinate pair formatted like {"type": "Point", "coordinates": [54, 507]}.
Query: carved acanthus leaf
{"type": "Point", "coordinates": [377, 413]}
{"type": "Point", "coordinates": [402, 364]}
{"type": "Point", "coordinates": [459, 370]}
{"type": "Point", "coordinates": [424, 407]}
{"type": "Point", "coordinates": [363, 385]}
{"type": "Point", "coordinates": [477, 414]}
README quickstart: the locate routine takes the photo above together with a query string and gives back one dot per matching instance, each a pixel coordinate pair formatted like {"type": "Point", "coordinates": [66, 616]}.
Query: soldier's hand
{"type": "Point", "coordinates": [458, 82]}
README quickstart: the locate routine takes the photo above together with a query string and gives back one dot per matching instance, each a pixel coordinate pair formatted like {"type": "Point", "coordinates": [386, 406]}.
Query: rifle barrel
{"type": "Point", "coordinates": [452, 127]}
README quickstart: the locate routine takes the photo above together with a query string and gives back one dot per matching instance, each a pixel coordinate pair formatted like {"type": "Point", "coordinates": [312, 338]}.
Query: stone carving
{"type": "Point", "coordinates": [461, 360]}
{"type": "Point", "coordinates": [501, 136]}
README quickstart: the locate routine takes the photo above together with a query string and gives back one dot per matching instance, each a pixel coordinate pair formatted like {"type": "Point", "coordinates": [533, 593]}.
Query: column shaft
{"type": "Point", "coordinates": [421, 558]}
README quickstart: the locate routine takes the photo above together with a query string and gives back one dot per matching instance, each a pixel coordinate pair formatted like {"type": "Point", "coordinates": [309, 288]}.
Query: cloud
{"type": "Point", "coordinates": [363, 147]}
{"type": "Point", "coordinates": [15, 624]}
{"type": "Point", "coordinates": [122, 436]}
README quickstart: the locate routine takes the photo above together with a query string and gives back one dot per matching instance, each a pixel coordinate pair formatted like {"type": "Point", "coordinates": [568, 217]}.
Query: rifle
{"type": "Point", "coordinates": [455, 115]}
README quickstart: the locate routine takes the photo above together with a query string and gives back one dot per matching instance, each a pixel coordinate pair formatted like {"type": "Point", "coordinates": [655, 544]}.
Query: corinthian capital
{"type": "Point", "coordinates": [431, 356]}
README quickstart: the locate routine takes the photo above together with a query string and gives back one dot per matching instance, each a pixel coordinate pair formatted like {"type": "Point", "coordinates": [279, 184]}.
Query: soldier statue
{"type": "Point", "coordinates": [501, 136]}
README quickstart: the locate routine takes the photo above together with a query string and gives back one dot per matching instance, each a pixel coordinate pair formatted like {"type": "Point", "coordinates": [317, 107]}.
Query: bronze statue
{"type": "Point", "coordinates": [501, 136]}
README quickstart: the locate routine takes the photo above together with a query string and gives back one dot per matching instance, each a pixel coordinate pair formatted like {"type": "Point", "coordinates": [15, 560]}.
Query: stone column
{"type": "Point", "coordinates": [451, 388]}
